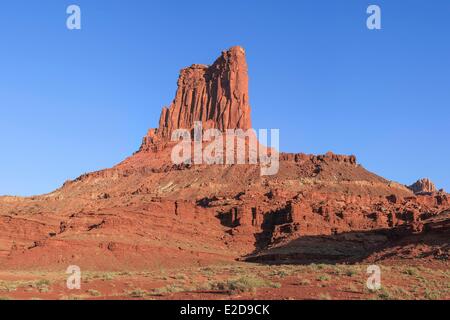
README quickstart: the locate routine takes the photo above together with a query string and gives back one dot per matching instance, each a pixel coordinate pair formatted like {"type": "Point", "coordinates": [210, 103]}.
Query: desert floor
{"type": "Point", "coordinates": [236, 281]}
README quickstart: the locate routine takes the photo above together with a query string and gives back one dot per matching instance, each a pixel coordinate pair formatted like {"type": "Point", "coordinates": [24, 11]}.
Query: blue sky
{"type": "Point", "coordinates": [76, 101]}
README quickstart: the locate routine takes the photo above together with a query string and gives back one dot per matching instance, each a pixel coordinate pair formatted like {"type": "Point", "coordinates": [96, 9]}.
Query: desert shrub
{"type": "Point", "coordinates": [384, 294]}
{"type": "Point", "coordinates": [243, 284]}
{"type": "Point", "coordinates": [8, 286]}
{"type": "Point", "coordinates": [323, 277]}
{"type": "Point", "coordinates": [172, 288]}
{"type": "Point", "coordinates": [137, 293]}
{"type": "Point", "coordinates": [94, 293]}
{"type": "Point", "coordinates": [180, 277]}
{"type": "Point", "coordinates": [279, 273]}
{"type": "Point", "coordinates": [432, 295]}
{"type": "Point", "coordinates": [207, 271]}
{"type": "Point", "coordinates": [108, 276]}
{"type": "Point", "coordinates": [411, 271]}
{"type": "Point", "coordinates": [304, 282]}
{"type": "Point", "coordinates": [351, 272]}
{"type": "Point", "coordinates": [42, 285]}
{"type": "Point", "coordinates": [325, 296]}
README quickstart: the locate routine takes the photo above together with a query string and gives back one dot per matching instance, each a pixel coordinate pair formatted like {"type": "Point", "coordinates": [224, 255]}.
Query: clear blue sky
{"type": "Point", "coordinates": [76, 101]}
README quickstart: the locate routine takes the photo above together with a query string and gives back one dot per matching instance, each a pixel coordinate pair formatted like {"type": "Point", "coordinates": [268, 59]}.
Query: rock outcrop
{"type": "Point", "coordinates": [423, 186]}
{"type": "Point", "coordinates": [216, 95]}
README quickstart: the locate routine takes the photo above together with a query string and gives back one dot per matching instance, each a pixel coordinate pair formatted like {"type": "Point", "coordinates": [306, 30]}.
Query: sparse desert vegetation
{"type": "Point", "coordinates": [236, 281]}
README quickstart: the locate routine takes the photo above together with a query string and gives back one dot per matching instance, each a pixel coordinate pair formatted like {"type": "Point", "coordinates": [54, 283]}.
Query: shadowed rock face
{"type": "Point", "coordinates": [423, 185]}
{"type": "Point", "coordinates": [216, 95]}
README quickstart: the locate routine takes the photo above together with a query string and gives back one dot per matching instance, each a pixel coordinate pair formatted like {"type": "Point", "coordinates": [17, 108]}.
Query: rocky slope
{"type": "Point", "coordinates": [147, 212]}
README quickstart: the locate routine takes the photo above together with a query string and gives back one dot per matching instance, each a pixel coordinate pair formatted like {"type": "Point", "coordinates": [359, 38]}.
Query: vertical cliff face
{"type": "Point", "coordinates": [216, 95]}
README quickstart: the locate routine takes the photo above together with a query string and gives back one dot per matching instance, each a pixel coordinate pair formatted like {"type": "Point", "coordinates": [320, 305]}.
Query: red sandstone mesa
{"type": "Point", "coordinates": [146, 212]}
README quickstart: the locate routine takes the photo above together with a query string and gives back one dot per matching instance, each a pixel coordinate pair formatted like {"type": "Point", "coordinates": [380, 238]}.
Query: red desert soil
{"type": "Point", "coordinates": [147, 228]}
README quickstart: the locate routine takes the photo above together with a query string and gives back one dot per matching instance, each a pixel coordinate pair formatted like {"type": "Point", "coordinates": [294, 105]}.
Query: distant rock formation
{"type": "Point", "coordinates": [216, 95]}
{"type": "Point", "coordinates": [423, 186]}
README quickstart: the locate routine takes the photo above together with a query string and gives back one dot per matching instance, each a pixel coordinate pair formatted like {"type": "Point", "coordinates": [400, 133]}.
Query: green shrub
{"type": "Point", "coordinates": [323, 277]}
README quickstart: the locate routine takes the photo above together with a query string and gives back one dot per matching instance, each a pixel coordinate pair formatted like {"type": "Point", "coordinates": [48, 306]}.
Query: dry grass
{"type": "Point", "coordinates": [94, 293]}
{"type": "Point", "coordinates": [137, 293]}
{"type": "Point", "coordinates": [243, 284]}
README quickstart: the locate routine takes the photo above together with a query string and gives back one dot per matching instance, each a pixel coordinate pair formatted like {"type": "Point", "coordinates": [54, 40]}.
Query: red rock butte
{"type": "Point", "coordinates": [148, 213]}
{"type": "Point", "coordinates": [215, 95]}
